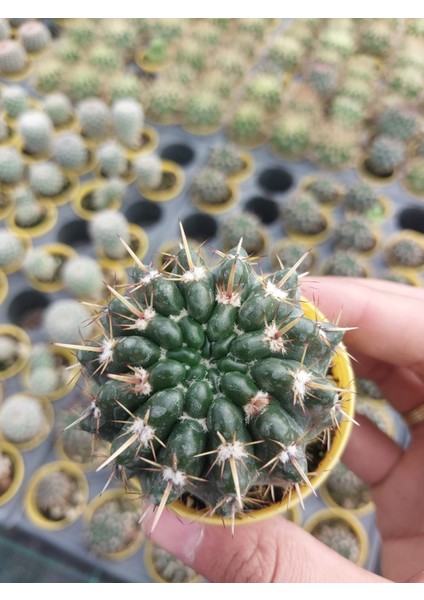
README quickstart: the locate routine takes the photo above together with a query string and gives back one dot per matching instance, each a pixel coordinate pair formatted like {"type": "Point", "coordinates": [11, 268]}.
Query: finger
{"type": "Point", "coordinates": [388, 287]}
{"type": "Point", "coordinates": [401, 387]}
{"type": "Point", "coordinates": [370, 453]}
{"type": "Point", "coordinates": [390, 326]}
{"type": "Point", "coordinates": [271, 551]}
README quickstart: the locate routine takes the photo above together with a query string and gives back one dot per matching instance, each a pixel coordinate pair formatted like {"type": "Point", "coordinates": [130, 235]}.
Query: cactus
{"type": "Point", "coordinates": [148, 169]}
{"type": "Point", "coordinates": [58, 496]}
{"type": "Point", "coordinates": [345, 263]}
{"type": "Point", "coordinates": [105, 196]}
{"type": "Point", "coordinates": [13, 58]}
{"type": "Point", "coordinates": [367, 387]}
{"type": "Point", "coordinates": [361, 67]}
{"type": "Point", "coordinates": [408, 82]}
{"type": "Point", "coordinates": [49, 75]}
{"type": "Point", "coordinates": [106, 228]}
{"type": "Point", "coordinates": [156, 52]}
{"type": "Point", "coordinates": [28, 211]}
{"type": "Point", "coordinates": [41, 357]}
{"type": "Point", "coordinates": [83, 277]}
{"type": "Point", "coordinates": [12, 249]}
{"type": "Point", "coordinates": [355, 233]}
{"type": "Point", "coordinates": [203, 110]}
{"type": "Point", "coordinates": [59, 108]}
{"type": "Point", "coordinates": [302, 214]}
{"type": "Point", "coordinates": [414, 176]}
{"type": "Point", "coordinates": [42, 265]}
{"type": "Point", "coordinates": [285, 53]}
{"type": "Point", "coordinates": [105, 59]}
{"type": "Point", "coordinates": [347, 111]}
{"type": "Point", "coordinates": [190, 52]}
{"type": "Point", "coordinates": [82, 83]}
{"type": "Point", "coordinates": [165, 101]}
{"type": "Point", "coordinates": [81, 31]}
{"type": "Point", "coordinates": [406, 252]}
{"type": "Point", "coordinates": [6, 467]}
{"type": "Point", "coordinates": [12, 168]}
{"type": "Point", "coordinates": [265, 89]}
{"type": "Point", "coordinates": [70, 151]}
{"type": "Point", "coordinates": [77, 444]}
{"type": "Point", "coordinates": [22, 418]}
{"type": "Point", "coordinates": [333, 146]}
{"type": "Point", "coordinates": [67, 320]}
{"type": "Point", "coordinates": [230, 63]}
{"type": "Point", "coordinates": [113, 527]}
{"type": "Point", "coordinates": [5, 29]}
{"type": "Point", "coordinates": [385, 155]}
{"type": "Point", "coordinates": [231, 377]}
{"type": "Point", "coordinates": [361, 198]}
{"type": "Point", "coordinates": [376, 39]}
{"type": "Point", "coordinates": [68, 51]}
{"type": "Point", "coordinates": [291, 135]}
{"type": "Point", "coordinates": [339, 536]}
{"type": "Point", "coordinates": [210, 186]}
{"type": "Point", "coordinates": [9, 351]}
{"type": "Point", "coordinates": [340, 41]}
{"type": "Point", "coordinates": [119, 34]}
{"type": "Point", "coordinates": [44, 380]}
{"type": "Point", "coordinates": [325, 189]}
{"type": "Point", "coordinates": [125, 86]}
{"type": "Point", "coordinates": [46, 179]}
{"type": "Point", "coordinates": [243, 225]}
{"type": "Point", "coordinates": [357, 89]}
{"type": "Point", "coordinates": [111, 159]}
{"type": "Point", "coordinates": [35, 36]}
{"type": "Point", "coordinates": [227, 159]}
{"type": "Point", "coordinates": [323, 78]}
{"type": "Point", "coordinates": [128, 122]}
{"type": "Point", "coordinates": [36, 130]}
{"type": "Point", "coordinates": [290, 254]}
{"type": "Point", "coordinates": [398, 122]}
{"type": "Point", "coordinates": [246, 125]}
{"type": "Point", "coordinates": [94, 117]}
{"type": "Point", "coordinates": [169, 568]}
{"type": "Point", "coordinates": [15, 100]}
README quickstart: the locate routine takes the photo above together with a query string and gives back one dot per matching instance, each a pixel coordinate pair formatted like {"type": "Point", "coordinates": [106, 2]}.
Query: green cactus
{"type": "Point", "coordinates": [34, 36]}
{"type": "Point", "coordinates": [5, 29]}
{"type": "Point", "coordinates": [36, 130]}
{"type": "Point", "coordinates": [70, 151]}
{"type": "Point", "coordinates": [111, 159]}
{"type": "Point", "coordinates": [339, 536]}
{"type": "Point", "coordinates": [230, 63]}
{"type": "Point", "coordinates": [333, 146]}
{"type": "Point", "coordinates": [340, 41]}
{"type": "Point", "coordinates": [357, 89]}
{"type": "Point", "coordinates": [106, 229]}
{"type": "Point", "coordinates": [42, 265]}
{"type": "Point", "coordinates": [345, 263]}
{"type": "Point", "coordinates": [285, 53]}
{"type": "Point", "coordinates": [46, 179]}
{"type": "Point", "coordinates": [323, 78]}
{"type": "Point", "coordinates": [203, 110]}
{"type": "Point", "coordinates": [128, 121]}
{"type": "Point", "coordinates": [290, 253]}
{"type": "Point", "coordinates": [210, 186]}
{"type": "Point", "coordinates": [169, 568]}
{"type": "Point", "coordinates": [217, 84]}
{"type": "Point", "coordinates": [41, 357]}
{"type": "Point", "coordinates": [303, 99]}
{"type": "Point", "coordinates": [362, 199]}
{"type": "Point", "coordinates": [398, 122]}
{"type": "Point", "coordinates": [361, 67]}
{"type": "Point", "coordinates": [59, 108]}
{"type": "Point", "coordinates": [83, 277]}
{"type": "Point", "coordinates": [265, 89]}
{"type": "Point", "coordinates": [243, 225]}
{"type": "Point", "coordinates": [190, 52]}
{"type": "Point", "coordinates": [165, 101]}
{"type": "Point", "coordinates": [347, 489]}
{"type": "Point", "coordinates": [355, 233]}
{"type": "Point", "coordinates": [125, 85]}
{"type": "Point", "coordinates": [12, 249]}
{"type": "Point", "coordinates": [156, 52]}
{"type": "Point", "coordinates": [81, 31]}
{"type": "Point", "coordinates": [302, 214]}
{"type": "Point", "coordinates": [105, 58]}
{"type": "Point", "coordinates": [44, 380]}
{"type": "Point", "coordinates": [201, 363]}
{"type": "Point", "coordinates": [227, 159]}
{"type": "Point", "coordinates": [83, 82]}
{"type": "Point", "coordinates": [119, 34]}
{"type": "Point", "coordinates": [12, 169]}
{"type": "Point", "coordinates": [106, 195]}
{"type": "Point", "coordinates": [113, 527]}
{"type": "Point", "coordinates": [15, 100]}
{"type": "Point", "coordinates": [94, 117]}
{"type": "Point", "coordinates": [325, 189]}
{"type": "Point", "coordinates": [13, 58]}
{"type": "Point", "coordinates": [148, 169]}
{"type": "Point", "coordinates": [247, 124]}
{"type": "Point", "coordinates": [28, 211]}
{"type": "Point", "coordinates": [77, 444]}
{"type": "Point", "coordinates": [58, 496]}
{"type": "Point", "coordinates": [68, 51]}
{"type": "Point", "coordinates": [408, 82]}
{"type": "Point", "coordinates": [385, 155]}
{"type": "Point", "coordinates": [406, 252]}
{"type": "Point", "coordinates": [254, 27]}
{"type": "Point", "coordinates": [49, 75]}
{"type": "Point", "coordinates": [376, 39]}
{"type": "Point", "coordinates": [67, 320]}
{"type": "Point", "coordinates": [22, 418]}
{"type": "Point", "coordinates": [347, 111]}
{"type": "Point", "coordinates": [291, 135]}
{"type": "Point", "coordinates": [414, 176]}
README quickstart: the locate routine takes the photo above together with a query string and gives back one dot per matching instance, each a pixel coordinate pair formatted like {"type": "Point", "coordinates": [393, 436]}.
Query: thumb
{"type": "Point", "coordinates": [269, 551]}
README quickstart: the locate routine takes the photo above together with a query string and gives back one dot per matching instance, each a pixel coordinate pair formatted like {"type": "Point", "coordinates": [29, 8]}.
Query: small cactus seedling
{"type": "Point", "coordinates": [169, 568]}
{"type": "Point", "coordinates": [82, 83]}
{"type": "Point", "coordinates": [302, 214]}
{"type": "Point", "coordinates": [414, 176]}
{"type": "Point", "coordinates": [13, 58]}
{"type": "Point", "coordinates": [338, 40]}
{"type": "Point", "coordinates": [291, 135]}
{"type": "Point", "coordinates": [210, 186]}
{"type": "Point", "coordinates": [355, 233]}
{"type": "Point", "coordinates": [339, 536]}
{"type": "Point", "coordinates": [22, 419]}
{"type": "Point", "coordinates": [203, 111]}
{"type": "Point", "coordinates": [12, 168]}
{"type": "Point", "coordinates": [166, 100]}
{"type": "Point", "coordinates": [128, 122]}
{"type": "Point", "coordinates": [94, 117]}
{"type": "Point", "coordinates": [125, 85]}
{"type": "Point", "coordinates": [346, 111]}
{"type": "Point", "coordinates": [12, 250]}
{"type": "Point", "coordinates": [405, 252]}
{"type": "Point", "coordinates": [105, 59]}
{"type": "Point", "coordinates": [70, 151]}
{"type": "Point", "coordinates": [265, 89]}
{"type": "Point", "coordinates": [49, 75]}
{"type": "Point", "coordinates": [83, 277]}
{"type": "Point", "coordinates": [36, 129]}
{"type": "Point", "coordinates": [323, 78]}
{"type": "Point", "coordinates": [28, 211]}
{"type": "Point", "coordinates": [14, 100]}
{"type": "Point", "coordinates": [58, 496]}
{"type": "Point", "coordinates": [43, 266]}
{"type": "Point", "coordinates": [247, 124]}
{"type": "Point", "coordinates": [59, 108]}
{"type": "Point", "coordinates": [376, 39]}
{"type": "Point", "coordinates": [333, 146]}
{"type": "Point", "coordinates": [34, 35]}
{"type": "Point", "coordinates": [247, 226]}
{"type": "Point", "coordinates": [226, 158]}
{"type": "Point", "coordinates": [325, 189]}
{"type": "Point", "coordinates": [398, 122]}
{"type": "Point", "coordinates": [347, 489]}
{"type": "Point", "coordinates": [345, 263]}
{"type": "Point", "coordinates": [9, 351]}
{"type": "Point", "coordinates": [148, 170]}
{"type": "Point", "coordinates": [46, 179]}
{"type": "Point", "coordinates": [285, 53]}
{"type": "Point", "coordinates": [408, 83]}
{"type": "Point", "coordinates": [290, 253]}
{"type": "Point", "coordinates": [384, 156]}
{"type": "Point", "coordinates": [112, 159]}
{"type": "Point", "coordinates": [212, 381]}
{"type": "Point", "coordinates": [68, 320]}
{"type": "Point", "coordinates": [362, 199]}
{"type": "Point", "coordinates": [106, 229]}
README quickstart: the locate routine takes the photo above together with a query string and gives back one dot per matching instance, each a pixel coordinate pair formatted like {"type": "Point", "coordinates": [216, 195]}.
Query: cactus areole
{"type": "Point", "coordinates": [214, 388]}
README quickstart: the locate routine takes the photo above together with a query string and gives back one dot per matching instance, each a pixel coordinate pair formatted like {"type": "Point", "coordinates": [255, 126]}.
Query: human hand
{"type": "Point", "coordinates": [387, 345]}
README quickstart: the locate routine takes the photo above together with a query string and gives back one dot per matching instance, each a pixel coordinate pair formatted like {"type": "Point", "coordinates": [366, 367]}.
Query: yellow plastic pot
{"type": "Point", "coordinates": [4, 286]}
{"type": "Point", "coordinates": [79, 202]}
{"type": "Point", "coordinates": [139, 244]}
{"type": "Point", "coordinates": [219, 208]}
{"type": "Point", "coordinates": [64, 253]}
{"type": "Point", "coordinates": [166, 194]}
{"type": "Point", "coordinates": [24, 342]}
{"type": "Point", "coordinates": [38, 230]}
{"type": "Point", "coordinates": [150, 141]}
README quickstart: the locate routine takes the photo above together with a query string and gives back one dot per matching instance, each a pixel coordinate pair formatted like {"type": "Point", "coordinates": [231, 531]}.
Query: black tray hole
{"type": "Point", "coordinates": [144, 213]}
{"type": "Point", "coordinates": [412, 218]}
{"type": "Point", "coordinates": [74, 233]}
{"type": "Point", "coordinates": [178, 153]}
{"type": "Point", "coordinates": [200, 227]}
{"type": "Point", "coordinates": [265, 209]}
{"type": "Point", "coordinates": [26, 309]}
{"type": "Point", "coordinates": [276, 179]}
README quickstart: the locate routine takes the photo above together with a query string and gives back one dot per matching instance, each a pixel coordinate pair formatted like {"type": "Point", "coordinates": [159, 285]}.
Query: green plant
{"type": "Point", "coordinates": [58, 496]}
{"type": "Point", "coordinates": [83, 277]}
{"type": "Point", "coordinates": [398, 122]}
{"type": "Point", "coordinates": [13, 58]}
{"type": "Point", "coordinates": [9, 351]}
{"type": "Point", "coordinates": [36, 130]}
{"type": "Point", "coordinates": [21, 418]}
{"type": "Point", "coordinates": [345, 263]}
{"type": "Point", "coordinates": [156, 52]}
{"type": "Point", "coordinates": [244, 226]}
{"type": "Point", "coordinates": [111, 159]}
{"type": "Point", "coordinates": [333, 146]}
{"type": "Point", "coordinates": [406, 252]}
{"type": "Point", "coordinates": [408, 82]}
{"type": "Point", "coordinates": [226, 158]}
{"type": "Point", "coordinates": [110, 191]}
{"type": "Point", "coordinates": [385, 155]}
{"type": "Point", "coordinates": [302, 214]}
{"type": "Point", "coordinates": [265, 89]}
{"type": "Point", "coordinates": [285, 52]}
{"type": "Point", "coordinates": [34, 36]}
{"type": "Point", "coordinates": [70, 151]}
{"type": "Point", "coordinates": [95, 118]}
{"type": "Point", "coordinates": [363, 199]}
{"type": "Point", "coordinates": [12, 249]}
{"type": "Point", "coordinates": [67, 320]}
{"type": "Point", "coordinates": [339, 536]}
{"type": "Point", "coordinates": [355, 233]}
{"type": "Point", "coordinates": [247, 123]}
{"type": "Point", "coordinates": [106, 229]}
{"type": "Point", "coordinates": [59, 108]}
{"type": "Point", "coordinates": [169, 568]}
{"type": "Point", "coordinates": [165, 101]}
{"type": "Point", "coordinates": [291, 135]}
{"type": "Point", "coordinates": [211, 374]}
{"type": "Point", "coordinates": [325, 189]}
{"type": "Point", "coordinates": [340, 41]}
{"type": "Point", "coordinates": [12, 168]}
{"type": "Point", "coordinates": [376, 39]}
{"type": "Point", "coordinates": [48, 75]}
{"type": "Point", "coordinates": [414, 176]}
{"type": "Point", "coordinates": [148, 169]}
{"type": "Point", "coordinates": [28, 211]}
{"type": "Point", "coordinates": [46, 179]}
{"type": "Point", "coordinates": [78, 445]}
{"type": "Point", "coordinates": [324, 78]}
{"type": "Point", "coordinates": [290, 253]}
{"type": "Point", "coordinates": [191, 52]}
{"type": "Point", "coordinates": [15, 100]}
{"type": "Point", "coordinates": [357, 89]}
{"type": "Point", "coordinates": [42, 265]}
{"type": "Point", "coordinates": [362, 67]}
{"type": "Point", "coordinates": [210, 186]}
{"type": "Point", "coordinates": [203, 109]}
{"type": "Point", "coordinates": [105, 58]}
{"type": "Point", "coordinates": [347, 112]}
{"type": "Point", "coordinates": [125, 85]}
{"type": "Point", "coordinates": [128, 121]}
{"type": "Point", "coordinates": [82, 82]}
{"type": "Point", "coordinates": [347, 489]}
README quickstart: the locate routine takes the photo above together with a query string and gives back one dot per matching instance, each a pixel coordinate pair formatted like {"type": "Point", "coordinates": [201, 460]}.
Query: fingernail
{"type": "Point", "coordinates": [178, 537]}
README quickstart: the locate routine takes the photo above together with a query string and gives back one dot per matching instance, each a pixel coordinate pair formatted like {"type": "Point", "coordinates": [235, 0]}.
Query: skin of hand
{"type": "Point", "coordinates": [388, 347]}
